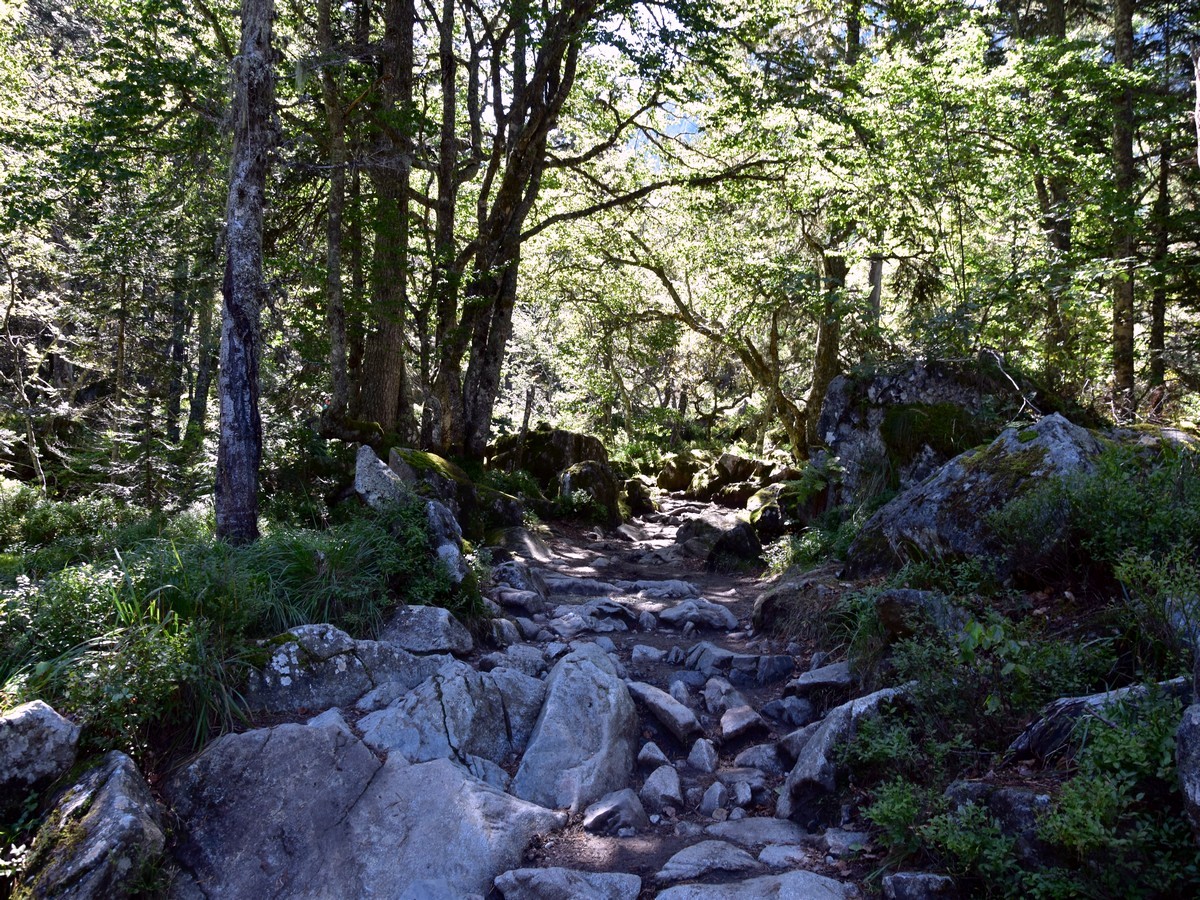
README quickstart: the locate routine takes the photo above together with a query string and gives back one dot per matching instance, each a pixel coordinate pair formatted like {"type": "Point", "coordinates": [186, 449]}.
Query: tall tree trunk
{"type": "Point", "coordinates": [1124, 238]}
{"type": "Point", "coordinates": [240, 449]}
{"type": "Point", "coordinates": [335, 307]}
{"type": "Point", "coordinates": [384, 395]}
{"type": "Point", "coordinates": [206, 352]}
{"type": "Point", "coordinates": [445, 426]}
{"type": "Point", "coordinates": [829, 333]}
{"type": "Point", "coordinates": [1158, 300]}
{"type": "Point", "coordinates": [175, 350]}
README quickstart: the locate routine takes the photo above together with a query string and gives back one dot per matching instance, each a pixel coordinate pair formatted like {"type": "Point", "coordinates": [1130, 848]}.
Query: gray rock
{"type": "Point", "coordinates": [783, 856]}
{"type": "Point", "coordinates": [1053, 729]}
{"type": "Point", "coordinates": [524, 658]}
{"type": "Point", "coordinates": [567, 884]}
{"type": "Point", "coordinates": [716, 797]}
{"type": "Point", "coordinates": [582, 746]}
{"type": "Point", "coordinates": [709, 659]}
{"type": "Point", "coordinates": [647, 621]}
{"type": "Point", "coordinates": [793, 711]}
{"type": "Point", "coordinates": [377, 485]}
{"type": "Point", "coordinates": [946, 516]}
{"type": "Point", "coordinates": [651, 756]}
{"type": "Point", "coordinates": [643, 655]}
{"type": "Point", "coordinates": [37, 745]}
{"type": "Point", "coordinates": [619, 810]}
{"type": "Point", "coordinates": [737, 543]}
{"type": "Point", "coordinates": [747, 785]}
{"type": "Point", "coordinates": [814, 776]}
{"type": "Point", "coordinates": [839, 843]}
{"type": "Point", "coordinates": [427, 629]}
{"type": "Point", "coordinates": [503, 632]}
{"type": "Point", "coordinates": [459, 713]}
{"type": "Point", "coordinates": [1187, 763]}
{"type": "Point", "coordinates": [799, 885]}
{"type": "Point", "coordinates": [757, 831]}
{"type": "Point", "coordinates": [704, 858]}
{"type": "Point", "coordinates": [676, 717]}
{"type": "Point", "coordinates": [446, 537]}
{"type": "Point", "coordinates": [528, 603]}
{"type": "Point", "coordinates": [432, 825]}
{"type": "Point", "coordinates": [99, 838]}
{"type": "Point", "coordinates": [701, 613]}
{"type": "Point", "coordinates": [918, 886]}
{"type": "Point", "coordinates": [740, 721]}
{"type": "Point", "coordinates": [720, 695]}
{"type": "Point", "coordinates": [315, 667]}
{"type": "Point", "coordinates": [331, 718]}
{"type": "Point", "coordinates": [662, 789]}
{"type": "Point", "coordinates": [835, 678]}
{"type": "Point", "coordinates": [571, 586]}
{"type": "Point", "coordinates": [517, 576]}
{"type": "Point", "coordinates": [254, 806]}
{"type": "Point", "coordinates": [761, 756]}
{"type": "Point", "coordinates": [679, 692]}
{"type": "Point", "coordinates": [703, 757]}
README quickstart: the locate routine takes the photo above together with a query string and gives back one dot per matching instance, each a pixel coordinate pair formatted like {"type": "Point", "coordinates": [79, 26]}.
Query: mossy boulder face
{"type": "Point", "coordinates": [103, 837]}
{"type": "Point", "coordinates": [637, 496]}
{"type": "Point", "coordinates": [545, 453]}
{"type": "Point", "coordinates": [947, 515]}
{"type": "Point", "coordinates": [437, 478]}
{"type": "Point", "coordinates": [678, 469]}
{"type": "Point", "coordinates": [596, 481]}
{"type": "Point", "coordinates": [892, 429]}
{"type": "Point", "coordinates": [739, 473]}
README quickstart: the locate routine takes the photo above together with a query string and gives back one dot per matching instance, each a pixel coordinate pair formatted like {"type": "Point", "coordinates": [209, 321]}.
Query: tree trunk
{"type": "Point", "coordinates": [175, 350]}
{"type": "Point", "coordinates": [1158, 300]}
{"type": "Point", "coordinates": [240, 449]}
{"type": "Point", "coordinates": [1124, 238]}
{"type": "Point", "coordinates": [829, 338]}
{"type": "Point", "coordinates": [206, 351]}
{"type": "Point", "coordinates": [384, 395]}
{"type": "Point", "coordinates": [335, 307]}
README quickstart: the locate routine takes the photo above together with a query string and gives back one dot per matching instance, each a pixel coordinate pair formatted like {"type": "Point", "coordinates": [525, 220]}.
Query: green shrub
{"type": "Point", "coordinates": [161, 634]}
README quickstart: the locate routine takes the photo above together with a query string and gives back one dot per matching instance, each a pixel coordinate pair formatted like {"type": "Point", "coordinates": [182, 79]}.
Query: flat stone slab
{"type": "Point", "coordinates": [703, 858]}
{"type": "Point", "coordinates": [792, 885]}
{"type": "Point", "coordinates": [676, 717]}
{"type": "Point", "coordinates": [567, 884]}
{"type": "Point", "coordinates": [757, 831]}
{"type": "Point", "coordinates": [739, 722]}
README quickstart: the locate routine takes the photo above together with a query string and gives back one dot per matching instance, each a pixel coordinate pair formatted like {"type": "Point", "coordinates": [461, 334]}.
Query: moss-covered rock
{"type": "Point", "coordinates": [545, 453]}
{"type": "Point", "coordinates": [678, 469]}
{"type": "Point", "coordinates": [946, 516]}
{"type": "Point", "coordinates": [595, 481]}
{"type": "Point", "coordinates": [436, 478]}
{"type": "Point", "coordinates": [891, 429]}
{"type": "Point", "coordinates": [103, 837]}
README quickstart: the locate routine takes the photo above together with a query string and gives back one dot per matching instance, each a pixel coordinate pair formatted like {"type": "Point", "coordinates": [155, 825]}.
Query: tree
{"type": "Point", "coordinates": [240, 448]}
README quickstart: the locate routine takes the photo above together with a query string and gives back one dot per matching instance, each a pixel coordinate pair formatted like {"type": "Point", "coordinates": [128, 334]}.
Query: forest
{"type": "Point", "coordinates": [810, 390]}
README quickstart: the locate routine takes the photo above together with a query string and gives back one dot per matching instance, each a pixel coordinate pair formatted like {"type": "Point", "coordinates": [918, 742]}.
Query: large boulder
{"type": "Point", "coordinates": [314, 667]}
{"type": "Point", "coordinates": [892, 429]}
{"type": "Point", "coordinates": [798, 598]}
{"type": "Point", "coordinates": [377, 485]}
{"type": "Point", "coordinates": [37, 745]}
{"type": "Point", "coordinates": [728, 470]}
{"type": "Point", "coordinates": [427, 629]}
{"type": "Point", "coordinates": [100, 839]}
{"type": "Point", "coordinates": [946, 516]}
{"type": "Point", "coordinates": [458, 714]}
{"type": "Point", "coordinates": [1187, 764]}
{"type": "Point", "coordinates": [583, 743]}
{"type": "Point", "coordinates": [596, 482]}
{"type": "Point", "coordinates": [545, 452]}
{"type": "Point", "coordinates": [678, 470]}
{"type": "Point", "coordinates": [813, 779]}
{"type": "Point", "coordinates": [300, 811]}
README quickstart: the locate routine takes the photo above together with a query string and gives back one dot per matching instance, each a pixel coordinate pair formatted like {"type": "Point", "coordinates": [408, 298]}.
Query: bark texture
{"type": "Point", "coordinates": [240, 449]}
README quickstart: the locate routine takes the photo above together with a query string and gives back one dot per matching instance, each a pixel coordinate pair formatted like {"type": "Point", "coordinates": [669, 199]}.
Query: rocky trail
{"type": "Point", "coordinates": [632, 738]}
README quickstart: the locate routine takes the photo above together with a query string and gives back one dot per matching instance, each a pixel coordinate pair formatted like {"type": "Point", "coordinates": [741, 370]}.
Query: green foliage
{"type": "Point", "coordinates": [162, 634]}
